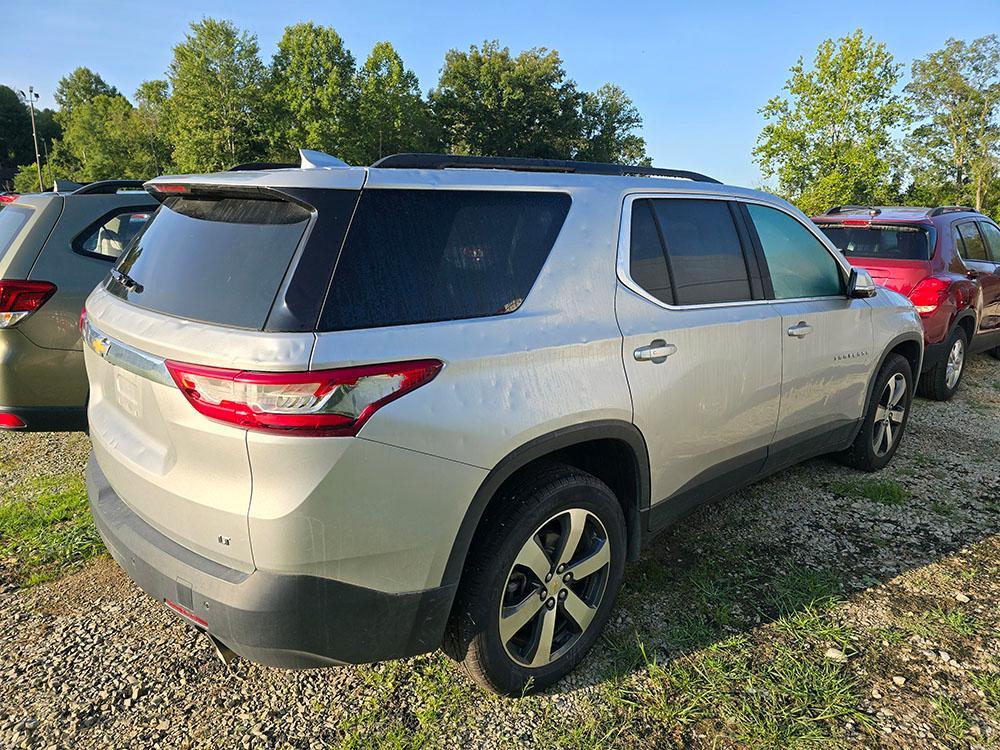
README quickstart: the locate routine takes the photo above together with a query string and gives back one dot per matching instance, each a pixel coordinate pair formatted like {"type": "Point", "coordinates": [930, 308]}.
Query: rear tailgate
{"type": "Point", "coordinates": [195, 287]}
{"type": "Point", "coordinates": [899, 275]}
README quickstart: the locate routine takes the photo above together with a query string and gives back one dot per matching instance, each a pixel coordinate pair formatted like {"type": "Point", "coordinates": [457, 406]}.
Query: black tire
{"type": "Point", "coordinates": [995, 352]}
{"type": "Point", "coordinates": [934, 384]}
{"type": "Point", "coordinates": [473, 636]}
{"type": "Point", "coordinates": [863, 454]}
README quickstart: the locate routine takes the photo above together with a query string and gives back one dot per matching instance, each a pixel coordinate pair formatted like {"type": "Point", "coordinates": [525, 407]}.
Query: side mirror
{"type": "Point", "coordinates": [860, 285]}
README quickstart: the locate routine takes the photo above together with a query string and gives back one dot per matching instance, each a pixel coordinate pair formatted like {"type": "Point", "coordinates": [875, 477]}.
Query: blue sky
{"type": "Point", "coordinates": [697, 71]}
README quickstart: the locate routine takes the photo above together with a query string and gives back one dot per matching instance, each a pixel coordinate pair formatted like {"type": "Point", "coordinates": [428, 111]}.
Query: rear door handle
{"type": "Point", "coordinates": [800, 329]}
{"type": "Point", "coordinates": [656, 352]}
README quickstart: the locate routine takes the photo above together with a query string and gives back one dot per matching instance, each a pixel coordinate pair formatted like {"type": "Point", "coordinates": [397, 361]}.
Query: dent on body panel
{"type": "Point", "coordinates": [361, 512]}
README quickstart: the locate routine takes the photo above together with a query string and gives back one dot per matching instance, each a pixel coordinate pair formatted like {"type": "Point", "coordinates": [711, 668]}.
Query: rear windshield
{"type": "Point", "coordinates": [885, 242]}
{"type": "Point", "coordinates": [12, 221]}
{"type": "Point", "coordinates": [214, 259]}
{"type": "Point", "coordinates": [418, 256]}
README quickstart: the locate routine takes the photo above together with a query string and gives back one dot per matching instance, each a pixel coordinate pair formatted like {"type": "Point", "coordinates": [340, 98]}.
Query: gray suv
{"type": "Point", "coordinates": [345, 414]}
{"type": "Point", "coordinates": [54, 248]}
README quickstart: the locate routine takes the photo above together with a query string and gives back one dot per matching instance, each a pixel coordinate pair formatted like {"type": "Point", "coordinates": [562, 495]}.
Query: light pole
{"type": "Point", "coordinates": [30, 98]}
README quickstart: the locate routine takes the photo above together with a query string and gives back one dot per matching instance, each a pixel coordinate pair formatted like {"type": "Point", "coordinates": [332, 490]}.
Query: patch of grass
{"type": "Point", "coordinates": [46, 529]}
{"type": "Point", "coordinates": [813, 623]}
{"type": "Point", "coordinates": [989, 683]}
{"type": "Point", "coordinates": [798, 587]}
{"type": "Point", "coordinates": [406, 705]}
{"type": "Point", "coordinates": [595, 724]}
{"type": "Point", "coordinates": [955, 620]}
{"type": "Point", "coordinates": [885, 491]}
{"type": "Point", "coordinates": [950, 717]}
{"type": "Point", "coordinates": [943, 509]}
{"type": "Point", "coordinates": [791, 698]}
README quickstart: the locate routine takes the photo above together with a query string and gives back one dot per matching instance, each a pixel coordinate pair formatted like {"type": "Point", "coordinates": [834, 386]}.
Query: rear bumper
{"type": "Point", "coordinates": [291, 621]}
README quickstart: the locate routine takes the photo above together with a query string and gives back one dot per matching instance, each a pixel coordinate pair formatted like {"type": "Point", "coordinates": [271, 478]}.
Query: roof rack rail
{"type": "Point", "coordinates": [853, 207]}
{"type": "Point", "coordinates": [447, 161]}
{"type": "Point", "coordinates": [950, 210]}
{"type": "Point", "coordinates": [256, 166]}
{"type": "Point", "coordinates": [107, 187]}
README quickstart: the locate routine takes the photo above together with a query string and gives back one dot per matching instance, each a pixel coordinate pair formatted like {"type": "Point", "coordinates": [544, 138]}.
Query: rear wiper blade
{"type": "Point", "coordinates": [126, 281]}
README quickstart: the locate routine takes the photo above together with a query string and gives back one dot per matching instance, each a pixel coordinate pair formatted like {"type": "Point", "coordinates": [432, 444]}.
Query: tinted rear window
{"type": "Point", "coordinates": [704, 251]}
{"type": "Point", "coordinates": [12, 221]}
{"type": "Point", "coordinates": [890, 242]}
{"type": "Point", "coordinates": [419, 256]}
{"type": "Point", "coordinates": [216, 260]}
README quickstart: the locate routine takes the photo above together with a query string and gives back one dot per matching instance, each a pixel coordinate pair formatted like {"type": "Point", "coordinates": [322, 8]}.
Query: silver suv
{"type": "Point", "coordinates": [346, 414]}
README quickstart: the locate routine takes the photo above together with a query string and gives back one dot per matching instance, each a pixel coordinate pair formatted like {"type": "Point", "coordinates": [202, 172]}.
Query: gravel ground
{"type": "Point", "coordinates": [911, 630]}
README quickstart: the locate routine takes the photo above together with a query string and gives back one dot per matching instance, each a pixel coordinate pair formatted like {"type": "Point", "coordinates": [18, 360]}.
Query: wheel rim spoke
{"type": "Point", "coordinates": [533, 557]}
{"type": "Point", "coordinates": [896, 415]}
{"type": "Point", "coordinates": [879, 437]}
{"type": "Point", "coordinates": [590, 565]}
{"type": "Point", "coordinates": [546, 633]}
{"type": "Point", "coordinates": [880, 413]}
{"type": "Point", "coordinates": [888, 435]}
{"type": "Point", "coordinates": [512, 619]}
{"type": "Point", "coordinates": [576, 519]}
{"type": "Point", "coordinates": [898, 389]}
{"type": "Point", "coordinates": [578, 610]}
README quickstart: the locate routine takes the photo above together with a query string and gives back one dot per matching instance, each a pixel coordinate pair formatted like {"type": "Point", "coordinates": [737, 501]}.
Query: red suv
{"type": "Point", "coordinates": [947, 261]}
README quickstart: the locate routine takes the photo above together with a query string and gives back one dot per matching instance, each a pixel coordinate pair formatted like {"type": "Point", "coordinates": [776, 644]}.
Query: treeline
{"type": "Point", "coordinates": [219, 104]}
{"type": "Point", "coordinates": [853, 129]}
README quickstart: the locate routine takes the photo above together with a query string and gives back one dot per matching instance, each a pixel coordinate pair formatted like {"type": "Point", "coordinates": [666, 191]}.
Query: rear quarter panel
{"type": "Point", "coordinates": [554, 362]}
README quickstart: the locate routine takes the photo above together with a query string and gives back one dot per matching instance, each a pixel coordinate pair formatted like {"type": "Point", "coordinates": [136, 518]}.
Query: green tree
{"type": "Point", "coordinates": [150, 129]}
{"type": "Point", "coordinates": [829, 140]}
{"type": "Point", "coordinates": [79, 87]}
{"type": "Point", "coordinates": [15, 131]}
{"type": "Point", "coordinates": [955, 94]}
{"type": "Point", "coordinates": [97, 138]}
{"type": "Point", "coordinates": [312, 92]}
{"type": "Point", "coordinates": [490, 102]}
{"type": "Point", "coordinates": [610, 120]}
{"type": "Point", "coordinates": [392, 116]}
{"type": "Point", "coordinates": [217, 110]}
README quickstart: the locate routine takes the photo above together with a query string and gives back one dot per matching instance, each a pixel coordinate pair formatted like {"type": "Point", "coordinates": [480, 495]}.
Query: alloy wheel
{"type": "Point", "coordinates": [554, 588]}
{"type": "Point", "coordinates": [889, 415]}
{"type": "Point", "coordinates": [953, 367]}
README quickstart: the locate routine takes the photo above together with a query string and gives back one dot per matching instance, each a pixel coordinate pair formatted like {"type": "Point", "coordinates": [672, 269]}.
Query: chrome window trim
{"type": "Point", "coordinates": [119, 354]}
{"type": "Point", "coordinates": [625, 232]}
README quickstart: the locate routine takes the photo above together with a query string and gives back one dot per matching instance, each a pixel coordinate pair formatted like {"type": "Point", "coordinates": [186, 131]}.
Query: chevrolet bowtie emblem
{"type": "Point", "coordinates": [101, 346]}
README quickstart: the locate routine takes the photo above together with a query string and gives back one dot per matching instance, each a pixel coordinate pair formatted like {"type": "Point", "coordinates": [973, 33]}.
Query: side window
{"type": "Point", "coordinates": [799, 264]}
{"type": "Point", "coordinates": [992, 235]}
{"type": "Point", "coordinates": [972, 246]}
{"type": "Point", "coordinates": [109, 237]}
{"type": "Point", "coordinates": [704, 253]}
{"type": "Point", "coordinates": [419, 256]}
{"type": "Point", "coordinates": [647, 264]}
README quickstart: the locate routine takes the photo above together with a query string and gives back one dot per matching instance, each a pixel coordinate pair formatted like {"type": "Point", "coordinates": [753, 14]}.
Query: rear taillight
{"type": "Point", "coordinates": [324, 402]}
{"type": "Point", "coordinates": [18, 299]}
{"type": "Point", "coordinates": [83, 318]}
{"type": "Point", "coordinates": [11, 422]}
{"type": "Point", "coordinates": [928, 295]}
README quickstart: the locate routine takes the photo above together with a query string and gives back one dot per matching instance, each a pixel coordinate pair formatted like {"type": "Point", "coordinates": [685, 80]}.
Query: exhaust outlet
{"type": "Point", "coordinates": [226, 655]}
